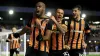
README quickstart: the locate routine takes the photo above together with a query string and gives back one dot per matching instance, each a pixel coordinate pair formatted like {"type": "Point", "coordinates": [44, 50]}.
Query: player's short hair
{"type": "Point", "coordinates": [78, 6]}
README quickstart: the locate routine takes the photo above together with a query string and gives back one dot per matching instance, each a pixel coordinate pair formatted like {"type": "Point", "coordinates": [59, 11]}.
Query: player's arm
{"type": "Point", "coordinates": [48, 31]}
{"type": "Point", "coordinates": [67, 23]}
{"type": "Point", "coordinates": [87, 31]}
{"type": "Point", "coordinates": [87, 28]}
{"type": "Point", "coordinates": [84, 45]}
{"type": "Point", "coordinates": [63, 28]}
{"type": "Point", "coordinates": [9, 38]}
{"type": "Point", "coordinates": [19, 40]}
{"type": "Point", "coordinates": [26, 28]}
{"type": "Point", "coordinates": [48, 35]}
{"type": "Point", "coordinates": [65, 41]}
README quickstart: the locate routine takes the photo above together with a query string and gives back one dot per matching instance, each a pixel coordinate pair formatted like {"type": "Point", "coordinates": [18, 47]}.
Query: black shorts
{"type": "Point", "coordinates": [75, 52]}
{"type": "Point", "coordinates": [33, 52]}
{"type": "Point", "coordinates": [14, 50]}
{"type": "Point", "coordinates": [56, 53]}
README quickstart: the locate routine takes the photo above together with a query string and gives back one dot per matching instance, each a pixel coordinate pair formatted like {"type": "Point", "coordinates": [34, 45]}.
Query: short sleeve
{"type": "Point", "coordinates": [9, 37]}
{"type": "Point", "coordinates": [87, 26]}
{"type": "Point", "coordinates": [29, 23]}
{"type": "Point", "coordinates": [49, 25]}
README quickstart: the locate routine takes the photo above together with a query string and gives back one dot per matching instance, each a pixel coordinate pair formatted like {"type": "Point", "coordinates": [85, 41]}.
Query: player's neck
{"type": "Point", "coordinates": [39, 16]}
{"type": "Point", "coordinates": [42, 15]}
{"type": "Point", "coordinates": [59, 22]}
{"type": "Point", "coordinates": [78, 18]}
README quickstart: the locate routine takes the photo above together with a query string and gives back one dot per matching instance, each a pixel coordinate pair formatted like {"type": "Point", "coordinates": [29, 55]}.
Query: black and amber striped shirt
{"type": "Point", "coordinates": [39, 45]}
{"type": "Point", "coordinates": [75, 35]}
{"type": "Point", "coordinates": [57, 41]}
{"type": "Point", "coordinates": [14, 41]}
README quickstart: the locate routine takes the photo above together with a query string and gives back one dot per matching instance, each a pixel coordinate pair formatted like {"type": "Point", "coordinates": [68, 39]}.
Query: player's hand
{"type": "Point", "coordinates": [66, 47]}
{"type": "Point", "coordinates": [39, 37]}
{"type": "Point", "coordinates": [18, 49]}
{"type": "Point", "coordinates": [52, 18]}
{"type": "Point", "coordinates": [7, 40]}
{"type": "Point", "coordinates": [84, 45]}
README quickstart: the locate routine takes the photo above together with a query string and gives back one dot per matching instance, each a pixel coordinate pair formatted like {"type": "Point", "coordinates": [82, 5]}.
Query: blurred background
{"type": "Point", "coordinates": [18, 12]}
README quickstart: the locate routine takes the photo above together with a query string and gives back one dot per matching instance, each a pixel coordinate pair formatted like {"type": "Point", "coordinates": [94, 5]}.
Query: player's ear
{"type": "Point", "coordinates": [80, 12]}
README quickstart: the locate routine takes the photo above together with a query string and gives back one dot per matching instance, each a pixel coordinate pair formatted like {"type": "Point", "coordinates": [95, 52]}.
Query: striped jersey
{"type": "Point", "coordinates": [57, 41]}
{"type": "Point", "coordinates": [75, 35]}
{"type": "Point", "coordinates": [39, 45]}
{"type": "Point", "coordinates": [14, 41]}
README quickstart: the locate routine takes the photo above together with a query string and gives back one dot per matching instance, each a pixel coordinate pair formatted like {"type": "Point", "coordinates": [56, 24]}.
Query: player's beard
{"type": "Point", "coordinates": [39, 14]}
{"type": "Point", "coordinates": [59, 18]}
{"type": "Point", "coordinates": [74, 16]}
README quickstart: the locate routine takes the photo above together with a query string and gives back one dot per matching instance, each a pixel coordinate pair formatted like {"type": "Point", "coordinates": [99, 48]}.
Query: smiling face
{"type": "Point", "coordinates": [76, 12]}
{"type": "Point", "coordinates": [59, 14]}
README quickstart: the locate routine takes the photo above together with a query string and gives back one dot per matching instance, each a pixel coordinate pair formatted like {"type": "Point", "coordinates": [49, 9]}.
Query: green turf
{"type": "Point", "coordinates": [94, 55]}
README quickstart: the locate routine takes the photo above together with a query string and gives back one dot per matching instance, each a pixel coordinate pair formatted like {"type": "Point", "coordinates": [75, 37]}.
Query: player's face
{"type": "Point", "coordinates": [39, 9]}
{"type": "Point", "coordinates": [14, 30]}
{"type": "Point", "coordinates": [76, 12]}
{"type": "Point", "coordinates": [59, 14]}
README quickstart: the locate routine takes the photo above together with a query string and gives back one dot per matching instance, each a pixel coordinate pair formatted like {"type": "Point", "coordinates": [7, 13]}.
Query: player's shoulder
{"type": "Point", "coordinates": [50, 20]}
{"type": "Point", "coordinates": [9, 35]}
{"type": "Point", "coordinates": [65, 21]}
{"type": "Point", "coordinates": [16, 35]}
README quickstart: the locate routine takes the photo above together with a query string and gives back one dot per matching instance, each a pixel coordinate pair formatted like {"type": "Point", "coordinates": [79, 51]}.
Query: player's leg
{"type": "Point", "coordinates": [11, 52]}
{"type": "Point", "coordinates": [17, 50]}
{"type": "Point", "coordinates": [30, 51]}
